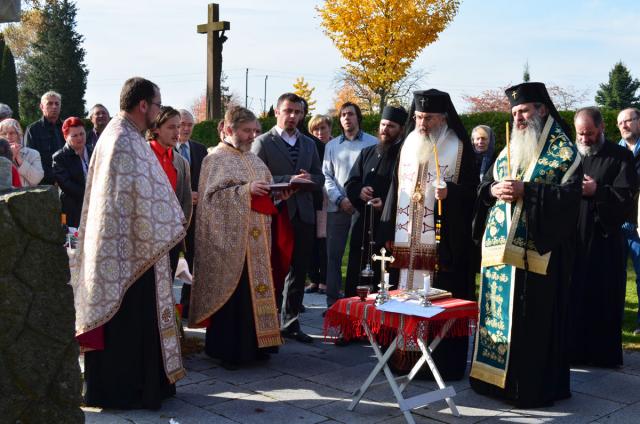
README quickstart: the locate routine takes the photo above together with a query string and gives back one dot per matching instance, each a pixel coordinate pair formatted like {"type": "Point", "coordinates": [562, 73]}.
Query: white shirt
{"type": "Point", "coordinates": [290, 139]}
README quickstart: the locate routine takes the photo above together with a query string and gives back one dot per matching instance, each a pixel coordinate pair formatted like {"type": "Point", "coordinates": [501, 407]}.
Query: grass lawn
{"type": "Point", "coordinates": [629, 341]}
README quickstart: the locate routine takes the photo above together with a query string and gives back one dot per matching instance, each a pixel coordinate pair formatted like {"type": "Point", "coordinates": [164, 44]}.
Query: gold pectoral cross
{"type": "Point", "coordinates": [417, 195]}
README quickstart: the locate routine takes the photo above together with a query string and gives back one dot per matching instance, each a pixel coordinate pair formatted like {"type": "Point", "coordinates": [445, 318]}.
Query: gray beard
{"type": "Point", "coordinates": [590, 150]}
{"type": "Point", "coordinates": [524, 144]}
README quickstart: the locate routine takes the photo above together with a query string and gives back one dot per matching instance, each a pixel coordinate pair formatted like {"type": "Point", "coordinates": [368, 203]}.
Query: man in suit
{"type": "Point", "coordinates": [45, 135]}
{"type": "Point", "coordinates": [194, 153]}
{"type": "Point", "coordinates": [290, 154]}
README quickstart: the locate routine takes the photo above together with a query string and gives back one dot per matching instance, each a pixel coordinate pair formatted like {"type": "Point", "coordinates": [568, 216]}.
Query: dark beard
{"type": "Point", "coordinates": [383, 148]}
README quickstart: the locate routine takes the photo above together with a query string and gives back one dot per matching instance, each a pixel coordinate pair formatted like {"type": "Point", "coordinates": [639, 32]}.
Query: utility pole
{"type": "Point", "coordinates": [264, 109]}
{"type": "Point", "coordinates": [246, 89]}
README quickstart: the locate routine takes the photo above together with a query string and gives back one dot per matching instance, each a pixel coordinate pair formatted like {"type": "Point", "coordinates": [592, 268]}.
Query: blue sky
{"type": "Point", "coordinates": [567, 43]}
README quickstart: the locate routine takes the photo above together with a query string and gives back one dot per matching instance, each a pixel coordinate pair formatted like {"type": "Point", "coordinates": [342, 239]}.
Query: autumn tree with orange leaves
{"type": "Point", "coordinates": [382, 38]}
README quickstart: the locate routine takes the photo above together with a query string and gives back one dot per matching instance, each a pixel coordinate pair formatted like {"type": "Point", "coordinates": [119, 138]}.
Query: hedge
{"type": "Point", "coordinates": [205, 131]}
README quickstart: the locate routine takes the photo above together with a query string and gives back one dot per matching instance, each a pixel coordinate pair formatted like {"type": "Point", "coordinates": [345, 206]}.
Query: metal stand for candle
{"type": "Point", "coordinates": [383, 294]}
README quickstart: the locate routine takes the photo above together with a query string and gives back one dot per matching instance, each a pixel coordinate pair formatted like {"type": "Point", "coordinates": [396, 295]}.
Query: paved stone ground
{"type": "Point", "coordinates": [313, 384]}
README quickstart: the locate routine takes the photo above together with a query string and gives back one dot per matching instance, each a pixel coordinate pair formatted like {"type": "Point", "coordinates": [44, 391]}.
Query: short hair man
{"type": "Point", "coordinates": [367, 188]}
{"type": "Point", "coordinates": [289, 155]}
{"type": "Point", "coordinates": [45, 135]}
{"type": "Point", "coordinates": [99, 116]}
{"type": "Point", "coordinates": [233, 281]}
{"type": "Point", "coordinates": [339, 156]}
{"type": "Point", "coordinates": [525, 219]}
{"type": "Point", "coordinates": [5, 112]}
{"type": "Point", "coordinates": [629, 126]}
{"type": "Point", "coordinates": [194, 153]}
{"type": "Point", "coordinates": [122, 283]}
{"type": "Point", "coordinates": [599, 278]}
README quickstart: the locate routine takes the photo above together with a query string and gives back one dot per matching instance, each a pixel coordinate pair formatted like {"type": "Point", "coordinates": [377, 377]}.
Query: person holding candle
{"type": "Point", "coordinates": [525, 223]}
{"type": "Point", "coordinates": [433, 185]}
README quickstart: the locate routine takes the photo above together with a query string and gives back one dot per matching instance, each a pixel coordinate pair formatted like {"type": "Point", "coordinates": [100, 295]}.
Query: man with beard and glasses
{"type": "Point", "coordinates": [629, 126]}
{"type": "Point", "coordinates": [525, 219]}
{"type": "Point", "coordinates": [121, 278]}
{"type": "Point", "coordinates": [411, 212]}
{"type": "Point", "coordinates": [367, 188]}
{"type": "Point", "coordinates": [599, 281]}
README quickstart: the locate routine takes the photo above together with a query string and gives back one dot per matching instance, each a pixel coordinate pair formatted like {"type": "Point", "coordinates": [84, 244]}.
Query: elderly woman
{"type": "Point", "coordinates": [25, 159]}
{"type": "Point", "coordinates": [70, 165]}
{"type": "Point", "coordinates": [484, 141]}
{"type": "Point", "coordinates": [320, 127]}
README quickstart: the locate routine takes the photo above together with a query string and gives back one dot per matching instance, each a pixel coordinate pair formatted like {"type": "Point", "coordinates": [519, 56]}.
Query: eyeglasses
{"type": "Point", "coordinates": [627, 121]}
{"type": "Point", "coordinates": [157, 104]}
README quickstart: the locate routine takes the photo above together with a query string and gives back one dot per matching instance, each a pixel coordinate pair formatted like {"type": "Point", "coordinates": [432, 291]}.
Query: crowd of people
{"type": "Point", "coordinates": [548, 222]}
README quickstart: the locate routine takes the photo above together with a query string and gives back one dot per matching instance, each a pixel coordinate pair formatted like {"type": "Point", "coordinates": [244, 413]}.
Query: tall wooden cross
{"type": "Point", "coordinates": [214, 59]}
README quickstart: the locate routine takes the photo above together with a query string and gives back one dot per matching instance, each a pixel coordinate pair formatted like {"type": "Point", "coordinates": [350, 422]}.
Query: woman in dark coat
{"type": "Point", "coordinates": [70, 165]}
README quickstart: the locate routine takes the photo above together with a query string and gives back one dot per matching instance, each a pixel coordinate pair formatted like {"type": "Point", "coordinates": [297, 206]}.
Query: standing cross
{"type": "Point", "coordinates": [214, 59]}
{"type": "Point", "coordinates": [383, 258]}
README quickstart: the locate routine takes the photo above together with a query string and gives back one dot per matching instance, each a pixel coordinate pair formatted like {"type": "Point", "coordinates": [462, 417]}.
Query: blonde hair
{"type": "Point", "coordinates": [318, 120]}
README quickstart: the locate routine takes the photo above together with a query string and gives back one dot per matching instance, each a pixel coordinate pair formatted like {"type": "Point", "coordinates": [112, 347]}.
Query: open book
{"type": "Point", "coordinates": [294, 184]}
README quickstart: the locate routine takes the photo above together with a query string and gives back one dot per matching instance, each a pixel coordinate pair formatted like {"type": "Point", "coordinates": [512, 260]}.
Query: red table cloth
{"type": "Point", "coordinates": [344, 319]}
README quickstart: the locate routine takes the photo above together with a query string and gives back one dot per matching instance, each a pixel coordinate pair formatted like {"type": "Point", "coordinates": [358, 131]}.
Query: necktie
{"type": "Point", "coordinates": [184, 151]}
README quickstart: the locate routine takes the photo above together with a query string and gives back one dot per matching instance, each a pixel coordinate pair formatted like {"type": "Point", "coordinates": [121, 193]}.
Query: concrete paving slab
{"type": "Point", "coordinates": [579, 408]}
{"type": "Point", "coordinates": [192, 377]}
{"type": "Point", "coordinates": [299, 392]}
{"type": "Point", "coordinates": [178, 411]}
{"type": "Point", "coordinates": [614, 386]}
{"type": "Point", "coordinates": [367, 412]}
{"type": "Point", "coordinates": [628, 415]}
{"type": "Point", "coordinates": [211, 392]}
{"type": "Point", "coordinates": [246, 374]}
{"type": "Point", "coordinates": [348, 379]}
{"type": "Point", "coordinates": [301, 365]}
{"type": "Point", "coordinates": [98, 416]}
{"type": "Point", "coordinates": [472, 407]}
{"type": "Point", "coordinates": [257, 409]}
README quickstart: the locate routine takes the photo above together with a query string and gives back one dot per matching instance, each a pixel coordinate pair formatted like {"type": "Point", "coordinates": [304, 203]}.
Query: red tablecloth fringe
{"type": "Point", "coordinates": [344, 320]}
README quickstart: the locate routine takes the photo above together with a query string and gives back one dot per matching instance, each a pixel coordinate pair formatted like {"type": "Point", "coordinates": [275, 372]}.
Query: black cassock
{"type": "Point", "coordinates": [599, 278]}
{"type": "Point", "coordinates": [538, 371]}
{"type": "Point", "coordinates": [373, 167]}
{"type": "Point", "coordinates": [231, 334]}
{"type": "Point", "coordinates": [455, 258]}
{"type": "Point", "coordinates": [129, 372]}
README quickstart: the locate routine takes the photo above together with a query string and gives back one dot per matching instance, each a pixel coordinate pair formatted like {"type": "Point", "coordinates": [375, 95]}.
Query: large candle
{"type": "Point", "coordinates": [508, 152]}
{"type": "Point", "coordinates": [435, 155]}
{"type": "Point", "coordinates": [426, 283]}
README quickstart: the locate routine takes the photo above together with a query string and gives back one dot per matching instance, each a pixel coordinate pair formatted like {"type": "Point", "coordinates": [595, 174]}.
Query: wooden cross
{"type": "Point", "coordinates": [214, 59]}
{"type": "Point", "coordinates": [383, 258]}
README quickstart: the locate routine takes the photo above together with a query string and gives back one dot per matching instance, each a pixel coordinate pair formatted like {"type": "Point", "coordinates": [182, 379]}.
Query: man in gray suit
{"type": "Point", "coordinates": [290, 154]}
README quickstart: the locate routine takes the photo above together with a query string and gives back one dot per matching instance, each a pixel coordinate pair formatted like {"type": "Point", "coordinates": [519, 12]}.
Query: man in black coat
{"type": "Point", "coordinates": [194, 153]}
{"type": "Point", "coordinates": [367, 188]}
{"type": "Point", "coordinates": [45, 135]}
{"type": "Point", "coordinates": [599, 280]}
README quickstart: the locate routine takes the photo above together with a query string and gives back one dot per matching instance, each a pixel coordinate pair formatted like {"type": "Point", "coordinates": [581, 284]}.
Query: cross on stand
{"type": "Point", "coordinates": [214, 59]}
{"type": "Point", "coordinates": [383, 294]}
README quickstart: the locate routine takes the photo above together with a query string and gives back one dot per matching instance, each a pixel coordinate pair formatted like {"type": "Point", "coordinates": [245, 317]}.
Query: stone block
{"type": "Point", "coordinates": [15, 299]}
{"type": "Point", "coordinates": [211, 392]}
{"type": "Point", "coordinates": [37, 212]}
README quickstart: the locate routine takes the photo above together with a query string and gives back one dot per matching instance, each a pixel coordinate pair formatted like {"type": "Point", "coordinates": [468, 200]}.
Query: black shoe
{"type": "Point", "coordinates": [302, 309]}
{"type": "Point", "coordinates": [324, 313]}
{"type": "Point", "coordinates": [340, 342]}
{"type": "Point", "coordinates": [294, 332]}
